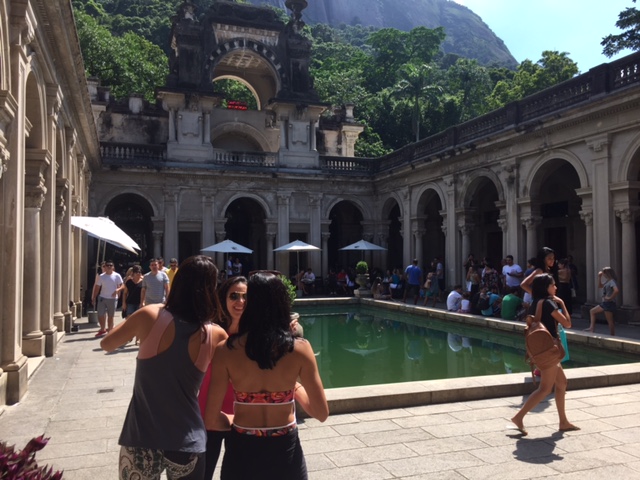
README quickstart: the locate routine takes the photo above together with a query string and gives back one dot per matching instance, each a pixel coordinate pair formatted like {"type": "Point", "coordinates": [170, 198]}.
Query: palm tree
{"type": "Point", "coordinates": [416, 85]}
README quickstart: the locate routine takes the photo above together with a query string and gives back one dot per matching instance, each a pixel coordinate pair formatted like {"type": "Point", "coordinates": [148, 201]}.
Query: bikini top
{"type": "Point", "coordinates": [285, 397]}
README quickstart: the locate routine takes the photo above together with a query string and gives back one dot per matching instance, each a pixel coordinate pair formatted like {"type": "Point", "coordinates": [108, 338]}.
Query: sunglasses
{"type": "Point", "coordinates": [235, 296]}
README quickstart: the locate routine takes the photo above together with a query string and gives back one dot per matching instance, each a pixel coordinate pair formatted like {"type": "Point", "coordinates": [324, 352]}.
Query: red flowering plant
{"type": "Point", "coordinates": [21, 464]}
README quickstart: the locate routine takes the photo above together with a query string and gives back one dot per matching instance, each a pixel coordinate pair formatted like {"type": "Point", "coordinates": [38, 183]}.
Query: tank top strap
{"type": "Point", "coordinates": [149, 348]}
{"type": "Point", "coordinates": [205, 354]}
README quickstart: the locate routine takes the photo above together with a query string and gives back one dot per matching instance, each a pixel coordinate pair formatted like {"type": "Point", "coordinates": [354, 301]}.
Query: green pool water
{"type": "Point", "coordinates": [359, 345]}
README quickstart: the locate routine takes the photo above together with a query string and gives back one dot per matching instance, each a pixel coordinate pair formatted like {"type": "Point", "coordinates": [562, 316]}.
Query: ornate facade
{"type": "Point", "coordinates": [48, 146]}
{"type": "Point", "coordinates": [560, 168]}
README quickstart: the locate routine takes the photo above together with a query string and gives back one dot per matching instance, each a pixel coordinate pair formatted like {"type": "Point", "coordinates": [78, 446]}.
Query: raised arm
{"type": "Point", "coordinates": [311, 397]}
{"type": "Point", "coordinates": [526, 283]}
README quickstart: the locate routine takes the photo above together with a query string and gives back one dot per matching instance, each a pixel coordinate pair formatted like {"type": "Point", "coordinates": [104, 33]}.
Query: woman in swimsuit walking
{"type": "Point", "coordinates": [263, 361]}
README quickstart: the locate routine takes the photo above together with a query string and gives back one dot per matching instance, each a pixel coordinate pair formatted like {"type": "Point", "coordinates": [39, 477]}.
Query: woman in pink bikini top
{"type": "Point", "coordinates": [264, 361]}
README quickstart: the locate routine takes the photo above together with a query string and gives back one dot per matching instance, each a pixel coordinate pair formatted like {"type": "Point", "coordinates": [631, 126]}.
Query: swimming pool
{"type": "Point", "coordinates": [358, 345]}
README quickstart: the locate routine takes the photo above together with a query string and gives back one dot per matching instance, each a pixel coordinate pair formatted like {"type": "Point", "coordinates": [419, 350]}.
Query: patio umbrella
{"type": "Point", "coordinates": [296, 246]}
{"type": "Point", "coordinates": [363, 245]}
{"type": "Point", "coordinates": [227, 246]}
{"type": "Point", "coordinates": [105, 230]}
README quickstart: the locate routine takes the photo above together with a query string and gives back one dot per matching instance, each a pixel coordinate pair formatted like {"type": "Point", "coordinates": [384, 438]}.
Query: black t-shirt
{"type": "Point", "coordinates": [133, 292]}
{"type": "Point", "coordinates": [548, 307]}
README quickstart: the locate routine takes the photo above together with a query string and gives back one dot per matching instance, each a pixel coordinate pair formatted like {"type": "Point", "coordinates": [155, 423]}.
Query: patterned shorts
{"type": "Point", "coordinates": [148, 464]}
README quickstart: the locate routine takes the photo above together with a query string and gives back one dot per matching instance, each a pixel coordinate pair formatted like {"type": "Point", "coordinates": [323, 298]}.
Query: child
{"type": "Point", "coordinates": [431, 289]}
{"type": "Point", "coordinates": [465, 304]}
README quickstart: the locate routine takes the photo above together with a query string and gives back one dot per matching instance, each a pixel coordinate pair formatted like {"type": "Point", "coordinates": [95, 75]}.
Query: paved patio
{"type": "Point", "coordinates": [79, 398]}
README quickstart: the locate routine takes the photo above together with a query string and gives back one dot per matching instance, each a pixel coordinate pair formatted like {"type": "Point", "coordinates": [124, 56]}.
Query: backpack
{"type": "Point", "coordinates": [543, 350]}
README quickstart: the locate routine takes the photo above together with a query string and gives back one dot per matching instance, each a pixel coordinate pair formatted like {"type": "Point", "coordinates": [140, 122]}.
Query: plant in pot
{"type": "Point", "coordinates": [362, 277]}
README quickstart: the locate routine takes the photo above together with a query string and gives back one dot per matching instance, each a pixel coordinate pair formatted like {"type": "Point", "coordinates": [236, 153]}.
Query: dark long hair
{"type": "Point", "coordinates": [540, 259]}
{"type": "Point", "coordinates": [266, 320]}
{"type": "Point", "coordinates": [193, 291]}
{"type": "Point", "coordinates": [225, 317]}
{"type": "Point", "coordinates": [540, 286]}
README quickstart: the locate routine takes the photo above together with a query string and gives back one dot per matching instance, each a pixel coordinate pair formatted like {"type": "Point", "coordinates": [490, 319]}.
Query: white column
{"type": "Point", "coordinates": [282, 260]}
{"type": "Point", "coordinates": [325, 253]}
{"type": "Point", "coordinates": [58, 316]}
{"type": "Point", "coordinates": [315, 226]}
{"type": "Point", "coordinates": [220, 257]}
{"type": "Point", "coordinates": [157, 244]}
{"type": "Point", "coordinates": [466, 230]}
{"type": "Point", "coordinates": [504, 226]}
{"type": "Point", "coordinates": [172, 125]}
{"type": "Point", "coordinates": [406, 226]}
{"type": "Point", "coordinates": [271, 238]}
{"type": "Point", "coordinates": [170, 224]}
{"type": "Point", "coordinates": [629, 287]}
{"type": "Point", "coordinates": [531, 224]}
{"type": "Point", "coordinates": [32, 338]}
{"type": "Point", "coordinates": [418, 235]}
{"type": "Point", "coordinates": [587, 218]}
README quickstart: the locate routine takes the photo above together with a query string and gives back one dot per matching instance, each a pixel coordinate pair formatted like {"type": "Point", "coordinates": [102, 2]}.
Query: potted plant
{"type": "Point", "coordinates": [291, 288]}
{"type": "Point", "coordinates": [362, 279]}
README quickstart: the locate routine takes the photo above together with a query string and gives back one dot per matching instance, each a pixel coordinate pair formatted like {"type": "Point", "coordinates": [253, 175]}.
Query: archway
{"type": "Point", "coordinates": [394, 237]}
{"type": "Point", "coordinates": [483, 213]}
{"type": "Point", "coordinates": [345, 228]}
{"type": "Point", "coordinates": [133, 214]}
{"type": "Point", "coordinates": [430, 222]}
{"type": "Point", "coordinates": [246, 225]}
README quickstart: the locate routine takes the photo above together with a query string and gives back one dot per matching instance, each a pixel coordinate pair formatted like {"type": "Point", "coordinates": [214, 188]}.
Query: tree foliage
{"type": "Point", "coordinates": [629, 22]}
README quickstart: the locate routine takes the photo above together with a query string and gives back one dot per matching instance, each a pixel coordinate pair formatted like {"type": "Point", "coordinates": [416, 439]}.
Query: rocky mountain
{"type": "Point", "coordinates": [467, 34]}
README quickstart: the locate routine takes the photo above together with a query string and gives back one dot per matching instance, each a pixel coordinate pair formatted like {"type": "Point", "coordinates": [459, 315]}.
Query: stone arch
{"type": "Point", "coordinates": [133, 213]}
{"type": "Point", "coordinates": [364, 211]}
{"type": "Point", "coordinates": [251, 62]}
{"type": "Point", "coordinates": [346, 227]}
{"type": "Point", "coordinates": [630, 165]}
{"type": "Point", "coordinates": [109, 198]}
{"type": "Point", "coordinates": [35, 111]}
{"type": "Point", "coordinates": [244, 82]}
{"type": "Point", "coordinates": [532, 184]}
{"type": "Point", "coordinates": [389, 203]}
{"type": "Point", "coordinates": [237, 130]}
{"type": "Point", "coordinates": [429, 222]}
{"type": "Point", "coordinates": [245, 223]}
{"type": "Point", "coordinates": [474, 180]}
{"type": "Point", "coordinates": [257, 198]}
{"type": "Point", "coordinates": [419, 196]}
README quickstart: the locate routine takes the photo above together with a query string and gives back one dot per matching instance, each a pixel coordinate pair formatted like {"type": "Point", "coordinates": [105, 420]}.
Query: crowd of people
{"type": "Point", "coordinates": [216, 365]}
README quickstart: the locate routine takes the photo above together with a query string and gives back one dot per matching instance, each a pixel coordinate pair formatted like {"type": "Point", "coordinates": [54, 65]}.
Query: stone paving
{"type": "Point", "coordinates": [79, 398]}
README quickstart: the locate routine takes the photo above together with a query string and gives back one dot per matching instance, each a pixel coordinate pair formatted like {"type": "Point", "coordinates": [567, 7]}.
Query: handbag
{"type": "Point", "coordinates": [543, 350]}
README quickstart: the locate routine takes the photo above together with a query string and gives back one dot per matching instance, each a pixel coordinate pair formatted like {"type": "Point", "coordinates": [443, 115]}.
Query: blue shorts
{"type": "Point", "coordinates": [608, 306]}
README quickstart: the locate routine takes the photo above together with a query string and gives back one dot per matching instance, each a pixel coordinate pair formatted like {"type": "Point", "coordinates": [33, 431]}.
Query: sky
{"type": "Point", "coordinates": [528, 27]}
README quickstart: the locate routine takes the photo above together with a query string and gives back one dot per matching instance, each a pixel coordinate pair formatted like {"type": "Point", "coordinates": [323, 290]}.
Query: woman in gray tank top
{"type": "Point", "coordinates": [163, 430]}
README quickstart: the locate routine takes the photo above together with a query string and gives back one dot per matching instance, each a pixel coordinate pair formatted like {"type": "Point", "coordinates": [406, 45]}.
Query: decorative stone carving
{"type": "Point", "coordinates": [502, 223]}
{"type": "Point", "coordinates": [587, 217]}
{"type": "Point", "coordinates": [531, 223]}
{"type": "Point", "coordinates": [627, 215]}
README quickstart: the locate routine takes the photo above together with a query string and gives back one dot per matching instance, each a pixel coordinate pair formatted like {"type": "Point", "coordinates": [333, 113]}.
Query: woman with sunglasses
{"type": "Point", "coordinates": [263, 361]}
{"type": "Point", "coordinates": [233, 299]}
{"type": "Point", "coordinates": [163, 429]}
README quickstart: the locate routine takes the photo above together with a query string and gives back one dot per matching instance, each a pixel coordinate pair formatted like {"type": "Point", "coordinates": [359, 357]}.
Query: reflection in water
{"type": "Point", "coordinates": [367, 347]}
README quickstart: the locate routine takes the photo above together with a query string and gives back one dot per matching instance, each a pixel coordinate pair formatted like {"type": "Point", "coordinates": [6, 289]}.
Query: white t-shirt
{"type": "Point", "coordinates": [512, 281]}
{"type": "Point", "coordinates": [109, 284]}
{"type": "Point", "coordinates": [453, 301]}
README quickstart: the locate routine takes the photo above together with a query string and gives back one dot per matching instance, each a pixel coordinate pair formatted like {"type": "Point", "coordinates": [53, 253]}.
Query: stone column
{"type": "Point", "coordinates": [587, 218]}
{"type": "Point", "coordinates": [172, 125]}
{"type": "Point", "coordinates": [67, 255]}
{"type": "Point", "coordinates": [208, 224]}
{"type": "Point", "coordinates": [603, 221]}
{"type": "Point", "coordinates": [315, 227]}
{"type": "Point", "coordinates": [58, 316]}
{"type": "Point", "coordinates": [418, 235]}
{"type": "Point", "coordinates": [531, 224]}
{"type": "Point", "coordinates": [220, 257]}
{"type": "Point", "coordinates": [325, 252]}
{"type": "Point", "coordinates": [32, 337]}
{"type": "Point", "coordinates": [629, 287]}
{"type": "Point", "coordinates": [170, 224]}
{"type": "Point", "coordinates": [504, 226]}
{"type": "Point", "coordinates": [406, 225]}
{"type": "Point", "coordinates": [282, 260]}
{"type": "Point", "coordinates": [466, 230]}
{"type": "Point", "coordinates": [80, 253]}
{"type": "Point", "coordinates": [207, 128]}
{"type": "Point", "coordinates": [157, 243]}
{"type": "Point", "coordinates": [271, 238]}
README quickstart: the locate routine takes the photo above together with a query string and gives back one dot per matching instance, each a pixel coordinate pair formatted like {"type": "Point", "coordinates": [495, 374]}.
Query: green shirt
{"type": "Point", "coordinates": [510, 305]}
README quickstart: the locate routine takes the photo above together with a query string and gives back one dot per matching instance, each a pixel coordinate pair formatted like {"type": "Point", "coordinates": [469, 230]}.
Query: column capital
{"type": "Point", "coordinates": [627, 214]}
{"type": "Point", "coordinates": [326, 235]}
{"type": "Point", "coordinates": [587, 217]}
{"type": "Point", "coordinates": [157, 235]}
{"type": "Point", "coordinates": [503, 223]}
{"type": "Point", "coordinates": [531, 223]}
{"type": "Point", "coordinates": [283, 198]}
{"type": "Point", "coordinates": [466, 228]}
{"type": "Point", "coordinates": [599, 143]}
{"type": "Point", "coordinates": [34, 196]}
{"type": "Point", "coordinates": [315, 199]}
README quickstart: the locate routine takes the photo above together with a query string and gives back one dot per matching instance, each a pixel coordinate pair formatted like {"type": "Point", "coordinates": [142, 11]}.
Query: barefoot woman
{"type": "Point", "coordinates": [554, 311]}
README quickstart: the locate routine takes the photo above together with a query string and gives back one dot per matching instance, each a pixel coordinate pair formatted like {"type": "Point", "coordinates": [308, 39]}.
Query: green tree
{"type": "Point", "coordinates": [629, 22]}
{"type": "Point", "coordinates": [417, 86]}
{"type": "Point", "coordinates": [470, 85]}
{"type": "Point", "coordinates": [128, 64]}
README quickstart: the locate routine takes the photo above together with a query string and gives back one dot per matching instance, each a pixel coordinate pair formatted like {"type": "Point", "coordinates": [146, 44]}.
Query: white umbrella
{"type": "Point", "coordinates": [227, 246]}
{"type": "Point", "coordinates": [363, 245]}
{"type": "Point", "coordinates": [105, 230]}
{"type": "Point", "coordinates": [296, 246]}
